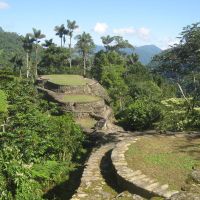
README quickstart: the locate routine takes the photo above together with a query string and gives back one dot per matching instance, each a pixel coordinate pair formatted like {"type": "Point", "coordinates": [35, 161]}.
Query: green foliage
{"type": "Point", "coordinates": [113, 80]}
{"type": "Point", "coordinates": [141, 114]}
{"type": "Point", "coordinates": [10, 44]}
{"type": "Point", "coordinates": [176, 116]}
{"type": "Point", "coordinates": [115, 43]}
{"type": "Point", "coordinates": [37, 149]}
{"type": "Point", "coordinates": [3, 102]}
{"type": "Point", "coordinates": [53, 60]}
{"type": "Point", "coordinates": [85, 46]}
{"type": "Point", "coordinates": [103, 59]}
{"type": "Point", "coordinates": [50, 171]}
{"type": "Point", "coordinates": [3, 107]}
{"type": "Point", "coordinates": [135, 92]}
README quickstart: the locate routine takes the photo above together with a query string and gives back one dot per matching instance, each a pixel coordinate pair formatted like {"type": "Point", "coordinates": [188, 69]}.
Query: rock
{"type": "Point", "coordinates": [100, 124]}
{"type": "Point", "coordinates": [185, 196]}
{"type": "Point", "coordinates": [137, 197]}
{"type": "Point", "coordinates": [195, 175]}
{"type": "Point", "coordinates": [125, 194]}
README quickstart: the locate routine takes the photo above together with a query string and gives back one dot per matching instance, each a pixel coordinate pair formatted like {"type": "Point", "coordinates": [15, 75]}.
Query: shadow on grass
{"type": "Point", "coordinates": [192, 147]}
{"type": "Point", "coordinates": [65, 190]}
{"type": "Point", "coordinates": [108, 172]}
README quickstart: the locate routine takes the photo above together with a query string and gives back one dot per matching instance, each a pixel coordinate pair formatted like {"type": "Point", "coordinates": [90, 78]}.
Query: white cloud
{"type": "Point", "coordinates": [78, 30]}
{"type": "Point", "coordinates": [166, 42]}
{"type": "Point", "coordinates": [3, 5]}
{"type": "Point", "coordinates": [100, 28]}
{"type": "Point", "coordinates": [143, 33]}
{"type": "Point", "coordinates": [124, 31]}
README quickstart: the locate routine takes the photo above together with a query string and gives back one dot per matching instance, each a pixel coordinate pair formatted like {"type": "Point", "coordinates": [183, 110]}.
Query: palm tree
{"type": "Point", "coordinates": [107, 40]}
{"type": "Point", "coordinates": [48, 43]}
{"type": "Point", "coordinates": [28, 47]}
{"type": "Point", "coordinates": [71, 25]}
{"type": "Point", "coordinates": [85, 45]}
{"type": "Point", "coordinates": [37, 35]}
{"type": "Point", "coordinates": [132, 58]}
{"type": "Point", "coordinates": [60, 31]}
{"type": "Point", "coordinates": [17, 63]}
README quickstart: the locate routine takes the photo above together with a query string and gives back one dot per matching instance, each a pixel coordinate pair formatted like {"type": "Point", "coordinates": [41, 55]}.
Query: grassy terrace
{"type": "Point", "coordinates": [80, 98]}
{"type": "Point", "coordinates": [167, 159]}
{"type": "Point", "coordinates": [86, 122]}
{"type": "Point", "coordinates": [64, 79]}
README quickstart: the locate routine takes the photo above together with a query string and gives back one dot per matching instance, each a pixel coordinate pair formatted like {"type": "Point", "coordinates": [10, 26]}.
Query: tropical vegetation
{"type": "Point", "coordinates": [40, 145]}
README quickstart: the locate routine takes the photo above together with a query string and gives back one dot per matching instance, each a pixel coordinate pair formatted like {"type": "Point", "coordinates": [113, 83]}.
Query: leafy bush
{"type": "Point", "coordinates": [141, 114]}
{"type": "Point", "coordinates": [37, 150]}
{"type": "Point", "coordinates": [172, 121]}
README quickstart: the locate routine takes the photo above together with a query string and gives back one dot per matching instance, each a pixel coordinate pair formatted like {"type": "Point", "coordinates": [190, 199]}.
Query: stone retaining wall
{"type": "Point", "coordinates": [91, 87]}
{"type": "Point", "coordinates": [135, 181]}
{"type": "Point", "coordinates": [67, 89]}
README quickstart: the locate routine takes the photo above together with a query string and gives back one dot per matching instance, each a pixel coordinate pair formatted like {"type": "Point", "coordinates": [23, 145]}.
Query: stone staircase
{"type": "Point", "coordinates": [99, 181]}
{"type": "Point", "coordinates": [106, 175]}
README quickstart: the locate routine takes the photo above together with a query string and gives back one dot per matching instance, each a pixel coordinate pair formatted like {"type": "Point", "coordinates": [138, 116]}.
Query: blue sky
{"type": "Point", "coordinates": [140, 21]}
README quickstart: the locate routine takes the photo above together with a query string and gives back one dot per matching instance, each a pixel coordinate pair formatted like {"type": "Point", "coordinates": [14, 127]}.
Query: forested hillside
{"type": "Point", "coordinates": [10, 44]}
{"type": "Point", "coordinates": [40, 142]}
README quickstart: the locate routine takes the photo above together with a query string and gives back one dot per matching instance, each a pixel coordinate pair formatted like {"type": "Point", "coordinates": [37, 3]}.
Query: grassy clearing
{"type": "Point", "coordinates": [64, 79]}
{"type": "Point", "coordinates": [86, 122]}
{"type": "Point", "coordinates": [167, 159]}
{"type": "Point", "coordinates": [80, 98]}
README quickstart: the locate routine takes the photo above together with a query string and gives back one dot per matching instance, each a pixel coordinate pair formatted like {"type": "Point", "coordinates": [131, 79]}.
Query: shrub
{"type": "Point", "coordinates": [141, 114]}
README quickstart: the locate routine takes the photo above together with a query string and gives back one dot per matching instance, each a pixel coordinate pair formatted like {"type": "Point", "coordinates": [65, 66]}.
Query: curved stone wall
{"type": "Point", "coordinates": [135, 181]}
{"type": "Point", "coordinates": [80, 109]}
{"type": "Point", "coordinates": [92, 88]}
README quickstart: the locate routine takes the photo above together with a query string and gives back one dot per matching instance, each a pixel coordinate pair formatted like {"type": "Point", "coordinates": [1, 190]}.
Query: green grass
{"type": "Point", "coordinates": [86, 122]}
{"type": "Point", "coordinates": [80, 98]}
{"type": "Point", "coordinates": [64, 79]}
{"type": "Point", "coordinates": [167, 159]}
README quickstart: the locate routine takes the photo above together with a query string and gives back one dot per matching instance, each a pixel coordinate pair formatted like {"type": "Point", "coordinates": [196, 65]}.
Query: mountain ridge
{"type": "Point", "coordinates": [145, 52]}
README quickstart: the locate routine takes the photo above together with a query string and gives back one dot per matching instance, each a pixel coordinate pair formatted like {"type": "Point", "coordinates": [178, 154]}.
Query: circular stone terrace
{"type": "Point", "coordinates": [65, 79]}
{"type": "Point", "coordinates": [72, 82]}
{"type": "Point", "coordinates": [156, 165]}
{"type": "Point", "coordinates": [84, 97]}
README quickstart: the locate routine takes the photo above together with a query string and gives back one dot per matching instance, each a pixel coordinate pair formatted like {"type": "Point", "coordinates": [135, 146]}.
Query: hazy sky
{"type": "Point", "coordinates": [140, 21]}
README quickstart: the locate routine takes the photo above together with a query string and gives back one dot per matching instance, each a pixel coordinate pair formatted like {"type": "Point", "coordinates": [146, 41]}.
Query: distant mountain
{"type": "Point", "coordinates": [145, 52]}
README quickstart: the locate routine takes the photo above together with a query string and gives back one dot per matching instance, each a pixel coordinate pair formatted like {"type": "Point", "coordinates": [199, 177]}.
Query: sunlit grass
{"type": "Point", "coordinates": [80, 98]}
{"type": "Point", "coordinates": [64, 79]}
{"type": "Point", "coordinates": [167, 159]}
{"type": "Point", "coordinates": [86, 122]}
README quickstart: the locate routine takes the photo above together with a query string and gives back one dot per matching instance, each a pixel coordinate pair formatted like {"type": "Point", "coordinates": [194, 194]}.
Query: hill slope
{"type": "Point", "coordinates": [10, 44]}
{"type": "Point", "coordinates": [145, 52]}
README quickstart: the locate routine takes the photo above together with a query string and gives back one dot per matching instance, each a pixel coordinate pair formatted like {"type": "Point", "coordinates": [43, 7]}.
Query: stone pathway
{"type": "Point", "coordinates": [92, 181]}
{"type": "Point", "coordinates": [98, 180]}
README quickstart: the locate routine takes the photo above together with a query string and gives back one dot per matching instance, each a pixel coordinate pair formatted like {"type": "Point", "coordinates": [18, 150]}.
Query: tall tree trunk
{"type": "Point", "coordinates": [20, 72]}
{"type": "Point", "coordinates": [70, 52]}
{"type": "Point", "coordinates": [61, 41]}
{"type": "Point", "coordinates": [36, 61]}
{"type": "Point", "coordinates": [84, 65]}
{"type": "Point", "coordinates": [27, 65]}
